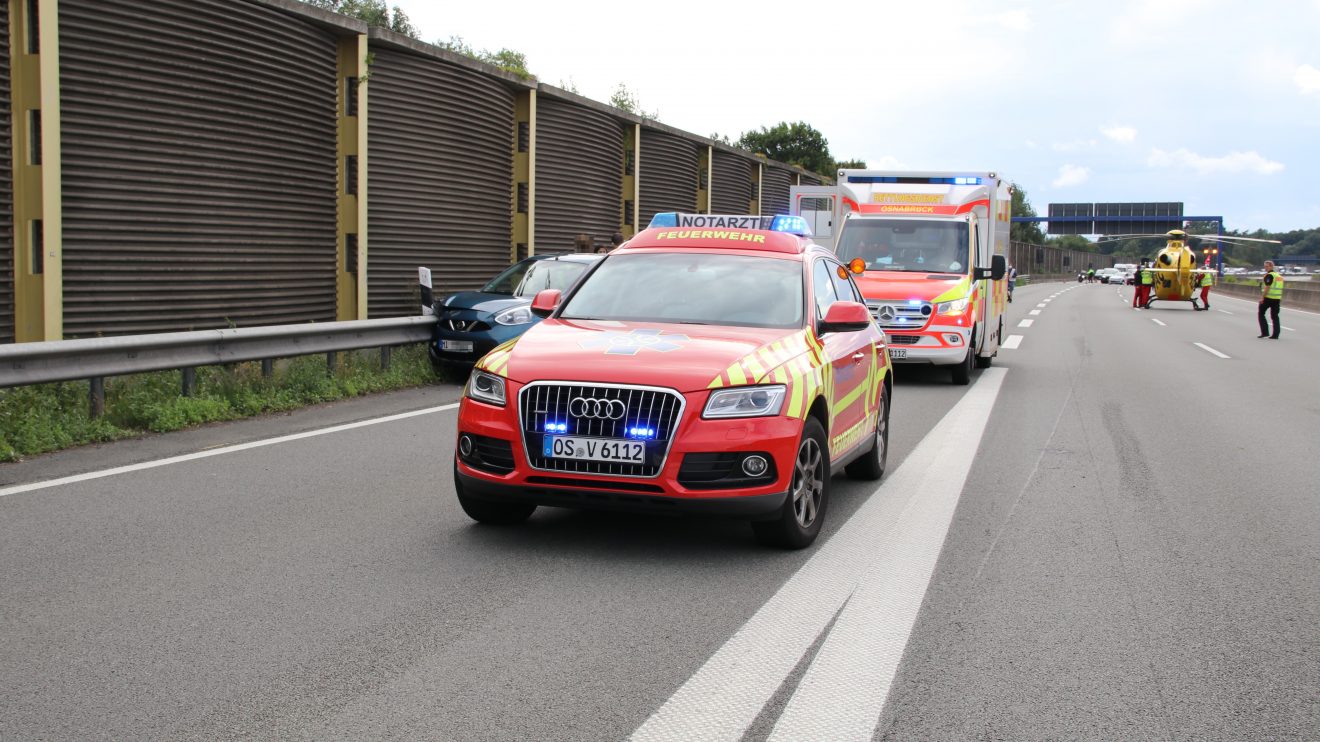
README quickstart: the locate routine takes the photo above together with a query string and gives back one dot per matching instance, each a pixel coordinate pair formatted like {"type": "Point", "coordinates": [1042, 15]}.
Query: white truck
{"type": "Point", "coordinates": [928, 250]}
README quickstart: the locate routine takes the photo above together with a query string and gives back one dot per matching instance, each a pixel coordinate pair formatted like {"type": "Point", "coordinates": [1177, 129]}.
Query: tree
{"type": "Point", "coordinates": [796, 143]}
{"type": "Point", "coordinates": [1024, 231]}
{"type": "Point", "coordinates": [626, 100]}
{"type": "Point", "coordinates": [374, 12]}
{"type": "Point", "coordinates": [506, 59]}
{"type": "Point", "coordinates": [850, 164]}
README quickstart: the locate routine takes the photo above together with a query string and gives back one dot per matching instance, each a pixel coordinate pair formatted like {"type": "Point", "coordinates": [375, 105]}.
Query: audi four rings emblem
{"type": "Point", "coordinates": [597, 409]}
{"type": "Point", "coordinates": [886, 313]}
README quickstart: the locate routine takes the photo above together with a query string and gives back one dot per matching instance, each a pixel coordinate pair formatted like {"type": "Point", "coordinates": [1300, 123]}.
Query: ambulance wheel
{"type": "Point", "coordinates": [798, 522]}
{"type": "Point", "coordinates": [962, 373]}
{"type": "Point", "coordinates": [491, 513]}
{"type": "Point", "coordinates": [871, 466]}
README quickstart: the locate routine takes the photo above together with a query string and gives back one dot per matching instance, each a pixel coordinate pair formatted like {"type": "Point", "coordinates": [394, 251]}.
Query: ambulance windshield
{"type": "Point", "coordinates": [916, 245]}
{"type": "Point", "coordinates": [693, 288]}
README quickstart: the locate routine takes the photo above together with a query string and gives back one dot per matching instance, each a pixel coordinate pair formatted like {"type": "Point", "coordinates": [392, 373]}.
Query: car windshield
{"type": "Point", "coordinates": [906, 245]}
{"type": "Point", "coordinates": [549, 274]}
{"type": "Point", "coordinates": [699, 288]}
{"type": "Point", "coordinates": [510, 278]}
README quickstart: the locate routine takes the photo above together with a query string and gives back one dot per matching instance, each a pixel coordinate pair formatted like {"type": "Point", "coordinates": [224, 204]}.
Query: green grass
{"type": "Point", "coordinates": [48, 417]}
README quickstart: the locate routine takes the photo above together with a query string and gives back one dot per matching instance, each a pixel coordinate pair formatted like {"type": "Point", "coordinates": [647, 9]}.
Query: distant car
{"type": "Point", "coordinates": [470, 324]}
{"type": "Point", "coordinates": [1109, 275]}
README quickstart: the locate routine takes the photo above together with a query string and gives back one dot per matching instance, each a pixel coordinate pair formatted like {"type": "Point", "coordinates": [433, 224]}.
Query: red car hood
{"type": "Point", "coordinates": [898, 285]}
{"type": "Point", "coordinates": [683, 357]}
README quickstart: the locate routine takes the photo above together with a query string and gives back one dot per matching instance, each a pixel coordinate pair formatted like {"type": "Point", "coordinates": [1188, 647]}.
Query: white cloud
{"type": "Point", "coordinates": [1071, 175]}
{"type": "Point", "coordinates": [1075, 146]}
{"type": "Point", "coordinates": [1150, 20]}
{"type": "Point", "coordinates": [1014, 20]}
{"type": "Point", "coordinates": [1233, 162]}
{"type": "Point", "coordinates": [886, 162]}
{"type": "Point", "coordinates": [1123, 134]}
{"type": "Point", "coordinates": [1307, 79]}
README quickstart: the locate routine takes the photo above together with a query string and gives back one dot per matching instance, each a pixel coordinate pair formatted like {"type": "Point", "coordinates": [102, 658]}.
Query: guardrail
{"type": "Point", "coordinates": [96, 358]}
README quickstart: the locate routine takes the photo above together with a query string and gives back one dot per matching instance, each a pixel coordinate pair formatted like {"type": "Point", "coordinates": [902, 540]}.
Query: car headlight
{"type": "Point", "coordinates": [485, 387]}
{"type": "Point", "coordinates": [515, 316]}
{"type": "Point", "coordinates": [752, 401]}
{"type": "Point", "coordinates": [957, 306]}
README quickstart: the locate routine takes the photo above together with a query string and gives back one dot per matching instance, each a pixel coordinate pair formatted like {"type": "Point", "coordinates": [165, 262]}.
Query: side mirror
{"type": "Point", "coordinates": [545, 302]}
{"type": "Point", "coordinates": [998, 267]}
{"type": "Point", "coordinates": [845, 316]}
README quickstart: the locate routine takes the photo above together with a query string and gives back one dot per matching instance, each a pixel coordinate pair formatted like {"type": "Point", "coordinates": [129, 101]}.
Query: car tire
{"type": "Point", "coordinates": [798, 522]}
{"type": "Point", "coordinates": [491, 513]}
{"type": "Point", "coordinates": [871, 466]}
{"type": "Point", "coordinates": [962, 373]}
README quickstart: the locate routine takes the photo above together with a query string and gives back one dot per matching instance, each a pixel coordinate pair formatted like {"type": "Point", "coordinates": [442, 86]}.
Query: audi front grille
{"type": "Point", "coordinates": [900, 315]}
{"type": "Point", "coordinates": [599, 411]}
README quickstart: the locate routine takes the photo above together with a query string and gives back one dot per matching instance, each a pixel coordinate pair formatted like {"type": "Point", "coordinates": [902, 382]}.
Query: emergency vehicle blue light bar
{"type": "Point", "coordinates": [958, 180]}
{"type": "Point", "coordinates": [791, 224]}
{"type": "Point", "coordinates": [665, 219]}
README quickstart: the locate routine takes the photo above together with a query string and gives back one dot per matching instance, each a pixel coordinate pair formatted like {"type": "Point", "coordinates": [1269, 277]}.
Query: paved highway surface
{"type": "Point", "coordinates": [1114, 533]}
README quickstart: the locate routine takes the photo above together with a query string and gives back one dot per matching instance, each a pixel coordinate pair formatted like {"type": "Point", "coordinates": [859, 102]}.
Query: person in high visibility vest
{"type": "Point", "coordinates": [1145, 280]}
{"type": "Point", "coordinates": [1271, 297]}
{"type": "Point", "coordinates": [1205, 281]}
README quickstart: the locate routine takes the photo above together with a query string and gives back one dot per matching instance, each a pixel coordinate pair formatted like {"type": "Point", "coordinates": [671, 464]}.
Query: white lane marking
{"type": "Point", "coordinates": [1161, 324]}
{"type": "Point", "coordinates": [843, 691]}
{"type": "Point", "coordinates": [1012, 342]}
{"type": "Point", "coordinates": [1223, 311]}
{"type": "Point", "coordinates": [1042, 305]}
{"type": "Point", "coordinates": [1034, 311]}
{"type": "Point", "coordinates": [1289, 329]}
{"type": "Point", "coordinates": [1257, 303]}
{"type": "Point", "coordinates": [1026, 323]}
{"type": "Point", "coordinates": [722, 699]}
{"type": "Point", "coordinates": [1210, 350]}
{"type": "Point", "coordinates": [17, 489]}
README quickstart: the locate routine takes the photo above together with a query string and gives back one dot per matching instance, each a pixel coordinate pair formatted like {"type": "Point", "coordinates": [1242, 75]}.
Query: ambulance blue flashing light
{"type": "Point", "coordinates": [791, 224]}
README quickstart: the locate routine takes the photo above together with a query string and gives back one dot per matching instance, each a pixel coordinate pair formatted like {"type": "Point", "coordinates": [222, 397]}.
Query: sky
{"type": "Point", "coordinates": [1214, 103]}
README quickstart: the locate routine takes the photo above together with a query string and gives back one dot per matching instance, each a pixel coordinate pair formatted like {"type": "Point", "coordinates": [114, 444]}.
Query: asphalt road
{"type": "Point", "coordinates": [1132, 552]}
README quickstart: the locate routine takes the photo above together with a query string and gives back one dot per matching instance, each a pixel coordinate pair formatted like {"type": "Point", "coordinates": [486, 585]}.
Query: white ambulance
{"type": "Point", "coordinates": [929, 251]}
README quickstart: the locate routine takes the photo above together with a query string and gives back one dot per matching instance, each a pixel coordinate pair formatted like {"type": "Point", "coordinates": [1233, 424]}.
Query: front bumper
{"type": "Point", "coordinates": [774, 437]}
{"type": "Point", "coordinates": [940, 345]}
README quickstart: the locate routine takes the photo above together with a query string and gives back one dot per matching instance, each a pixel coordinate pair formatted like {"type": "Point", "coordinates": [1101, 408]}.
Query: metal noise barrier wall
{"type": "Point", "coordinates": [6, 192]}
{"type": "Point", "coordinates": [579, 174]}
{"type": "Point", "coordinates": [668, 174]}
{"type": "Point", "coordinates": [441, 161]}
{"type": "Point", "coordinates": [774, 191]}
{"type": "Point", "coordinates": [731, 184]}
{"type": "Point", "coordinates": [198, 166]}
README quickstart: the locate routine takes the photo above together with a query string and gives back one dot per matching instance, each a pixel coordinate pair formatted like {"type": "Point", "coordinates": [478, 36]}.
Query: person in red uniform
{"type": "Point", "coordinates": [1143, 280]}
{"type": "Point", "coordinates": [1207, 280]}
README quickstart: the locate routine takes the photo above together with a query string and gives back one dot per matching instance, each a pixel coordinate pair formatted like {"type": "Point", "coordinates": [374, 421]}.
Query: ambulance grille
{"type": "Point", "coordinates": [646, 408]}
{"type": "Point", "coordinates": [904, 339]}
{"type": "Point", "coordinates": [900, 315]}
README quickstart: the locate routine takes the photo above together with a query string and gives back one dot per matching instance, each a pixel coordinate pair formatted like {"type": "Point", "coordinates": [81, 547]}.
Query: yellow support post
{"type": "Point", "coordinates": [38, 230]}
{"type": "Point", "coordinates": [351, 206]}
{"type": "Point", "coordinates": [632, 180]}
{"type": "Point", "coordinates": [704, 176]}
{"type": "Point", "coordinates": [523, 197]}
{"type": "Point", "coordinates": [755, 206]}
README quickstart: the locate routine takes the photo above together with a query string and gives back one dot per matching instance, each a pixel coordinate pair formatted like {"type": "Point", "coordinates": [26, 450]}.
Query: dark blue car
{"type": "Point", "coordinates": [474, 322]}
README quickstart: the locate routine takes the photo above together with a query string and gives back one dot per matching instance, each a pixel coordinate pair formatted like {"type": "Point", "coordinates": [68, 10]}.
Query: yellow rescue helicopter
{"type": "Point", "coordinates": [1177, 278]}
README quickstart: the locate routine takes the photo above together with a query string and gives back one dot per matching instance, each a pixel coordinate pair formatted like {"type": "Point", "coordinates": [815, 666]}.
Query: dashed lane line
{"type": "Point", "coordinates": [1161, 324]}
{"type": "Point", "coordinates": [1223, 311]}
{"type": "Point", "coordinates": [1042, 306]}
{"type": "Point", "coordinates": [1210, 350]}
{"type": "Point", "coordinates": [882, 558]}
{"type": "Point", "coordinates": [218, 451]}
{"type": "Point", "coordinates": [1012, 342]}
{"type": "Point", "coordinates": [1026, 323]}
{"type": "Point", "coordinates": [1034, 312]}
